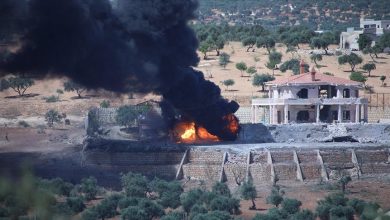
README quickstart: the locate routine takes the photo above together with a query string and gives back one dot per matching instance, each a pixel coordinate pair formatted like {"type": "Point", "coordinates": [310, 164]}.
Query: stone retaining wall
{"type": "Point", "coordinates": [204, 172]}
{"type": "Point", "coordinates": [307, 156]}
{"type": "Point", "coordinates": [210, 164]}
{"type": "Point", "coordinates": [372, 156]}
{"type": "Point", "coordinates": [286, 171]}
{"type": "Point", "coordinates": [260, 173]}
{"type": "Point", "coordinates": [336, 156]}
{"type": "Point", "coordinates": [205, 157]}
{"type": "Point", "coordinates": [127, 159]}
{"type": "Point", "coordinates": [282, 156]}
{"type": "Point", "coordinates": [311, 171]}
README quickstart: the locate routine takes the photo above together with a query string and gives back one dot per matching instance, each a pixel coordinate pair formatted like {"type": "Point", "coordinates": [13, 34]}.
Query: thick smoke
{"type": "Point", "coordinates": [121, 45]}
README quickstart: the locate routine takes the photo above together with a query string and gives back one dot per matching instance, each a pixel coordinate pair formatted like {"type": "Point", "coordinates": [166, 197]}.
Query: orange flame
{"type": "Point", "coordinates": [188, 132]}
{"type": "Point", "coordinates": [233, 125]}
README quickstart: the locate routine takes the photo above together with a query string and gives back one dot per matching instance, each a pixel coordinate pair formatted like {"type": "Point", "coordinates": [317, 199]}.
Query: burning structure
{"type": "Point", "coordinates": [142, 46]}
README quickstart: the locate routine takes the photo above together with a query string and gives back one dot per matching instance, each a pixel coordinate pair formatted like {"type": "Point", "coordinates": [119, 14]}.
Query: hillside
{"type": "Point", "coordinates": [317, 14]}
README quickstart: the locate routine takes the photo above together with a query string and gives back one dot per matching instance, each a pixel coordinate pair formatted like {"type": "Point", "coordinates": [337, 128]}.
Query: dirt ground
{"type": "Point", "coordinates": [243, 85]}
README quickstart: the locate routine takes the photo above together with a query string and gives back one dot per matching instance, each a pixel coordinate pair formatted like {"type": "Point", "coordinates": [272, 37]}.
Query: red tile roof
{"type": "Point", "coordinates": [320, 79]}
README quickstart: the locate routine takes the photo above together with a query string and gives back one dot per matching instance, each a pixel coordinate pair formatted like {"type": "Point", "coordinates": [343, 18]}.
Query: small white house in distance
{"type": "Point", "coordinates": [312, 98]}
{"type": "Point", "coordinates": [369, 27]}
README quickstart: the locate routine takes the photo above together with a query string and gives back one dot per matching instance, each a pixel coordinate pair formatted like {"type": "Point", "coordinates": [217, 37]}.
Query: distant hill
{"type": "Point", "coordinates": [317, 14]}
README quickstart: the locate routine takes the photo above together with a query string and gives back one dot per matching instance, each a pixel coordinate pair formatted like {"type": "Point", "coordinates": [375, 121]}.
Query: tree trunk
{"type": "Point", "coordinates": [343, 187]}
{"type": "Point", "coordinates": [372, 57]}
{"type": "Point", "coordinates": [217, 52]}
{"type": "Point", "coordinates": [253, 204]}
{"type": "Point", "coordinates": [249, 47]}
{"type": "Point", "coordinates": [369, 73]}
{"type": "Point", "coordinates": [262, 88]}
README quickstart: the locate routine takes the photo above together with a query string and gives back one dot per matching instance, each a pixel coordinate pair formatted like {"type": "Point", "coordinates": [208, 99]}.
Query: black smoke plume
{"type": "Point", "coordinates": [120, 45]}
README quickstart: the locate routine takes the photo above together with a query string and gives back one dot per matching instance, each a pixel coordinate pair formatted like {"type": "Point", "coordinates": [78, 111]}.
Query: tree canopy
{"type": "Point", "coordinates": [352, 59]}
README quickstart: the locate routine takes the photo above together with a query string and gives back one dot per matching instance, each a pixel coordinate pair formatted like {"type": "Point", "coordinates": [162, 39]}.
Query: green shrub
{"type": "Point", "coordinates": [222, 203]}
{"type": "Point", "coordinates": [197, 209]}
{"type": "Point", "coordinates": [127, 201]}
{"type": "Point", "coordinates": [107, 208]}
{"type": "Point", "coordinates": [23, 124]}
{"type": "Point", "coordinates": [151, 208]}
{"type": "Point", "coordinates": [62, 209]}
{"type": "Point", "coordinates": [51, 99]}
{"type": "Point", "coordinates": [357, 204]}
{"type": "Point", "coordinates": [105, 104]}
{"type": "Point", "coordinates": [56, 186]}
{"type": "Point", "coordinates": [221, 189]}
{"type": "Point", "coordinates": [303, 215]}
{"type": "Point", "coordinates": [90, 214]}
{"type": "Point", "coordinates": [275, 198]}
{"type": "Point", "coordinates": [174, 216]}
{"type": "Point", "coordinates": [134, 185]}
{"type": "Point", "coordinates": [341, 212]}
{"type": "Point", "coordinates": [134, 213]}
{"type": "Point", "coordinates": [214, 215]}
{"type": "Point", "coordinates": [89, 187]}
{"type": "Point", "coordinates": [169, 192]}
{"type": "Point", "coordinates": [76, 204]}
{"type": "Point", "coordinates": [192, 197]}
{"type": "Point", "coordinates": [291, 206]}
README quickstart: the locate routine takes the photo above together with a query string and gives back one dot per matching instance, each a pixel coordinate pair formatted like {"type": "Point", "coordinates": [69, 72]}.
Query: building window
{"type": "Point", "coordinates": [346, 115]}
{"type": "Point", "coordinates": [303, 116]}
{"type": "Point", "coordinates": [303, 94]}
{"type": "Point", "coordinates": [346, 93]}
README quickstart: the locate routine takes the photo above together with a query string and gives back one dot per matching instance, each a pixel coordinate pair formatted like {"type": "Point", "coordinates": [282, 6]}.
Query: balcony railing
{"type": "Point", "coordinates": [310, 101]}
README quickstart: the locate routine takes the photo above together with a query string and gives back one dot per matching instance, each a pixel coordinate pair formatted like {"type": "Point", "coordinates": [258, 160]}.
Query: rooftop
{"type": "Point", "coordinates": [319, 79]}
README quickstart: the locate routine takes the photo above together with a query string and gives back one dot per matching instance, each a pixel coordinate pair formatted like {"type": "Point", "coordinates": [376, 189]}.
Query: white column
{"type": "Point", "coordinates": [366, 113]}
{"type": "Point", "coordinates": [270, 114]}
{"type": "Point", "coordinates": [340, 114]}
{"type": "Point", "coordinates": [318, 114]}
{"type": "Point", "coordinates": [286, 114]}
{"type": "Point", "coordinates": [339, 93]}
{"type": "Point", "coordinates": [255, 113]}
{"type": "Point", "coordinates": [357, 113]}
{"type": "Point", "coordinates": [252, 115]}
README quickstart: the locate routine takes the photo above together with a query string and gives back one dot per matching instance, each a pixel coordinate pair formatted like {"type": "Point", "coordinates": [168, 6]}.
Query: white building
{"type": "Point", "coordinates": [349, 39]}
{"type": "Point", "coordinates": [312, 98]}
{"type": "Point", "coordinates": [370, 27]}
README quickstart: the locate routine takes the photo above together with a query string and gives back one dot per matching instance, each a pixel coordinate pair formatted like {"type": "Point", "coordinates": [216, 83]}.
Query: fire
{"type": "Point", "coordinates": [233, 125]}
{"type": "Point", "coordinates": [189, 132]}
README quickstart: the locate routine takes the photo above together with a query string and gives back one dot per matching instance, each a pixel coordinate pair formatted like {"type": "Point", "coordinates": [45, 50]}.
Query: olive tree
{"type": "Point", "coordinates": [241, 66]}
{"type": "Point", "coordinates": [351, 59]}
{"type": "Point", "coordinates": [224, 59]}
{"type": "Point", "coordinates": [382, 79]}
{"type": "Point", "coordinates": [71, 86]}
{"type": "Point", "coordinates": [248, 191]}
{"type": "Point", "coordinates": [227, 83]}
{"type": "Point", "coordinates": [19, 84]}
{"type": "Point", "coordinates": [52, 116]}
{"type": "Point", "coordinates": [260, 80]}
{"type": "Point", "coordinates": [315, 58]}
{"type": "Point", "coordinates": [369, 67]}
